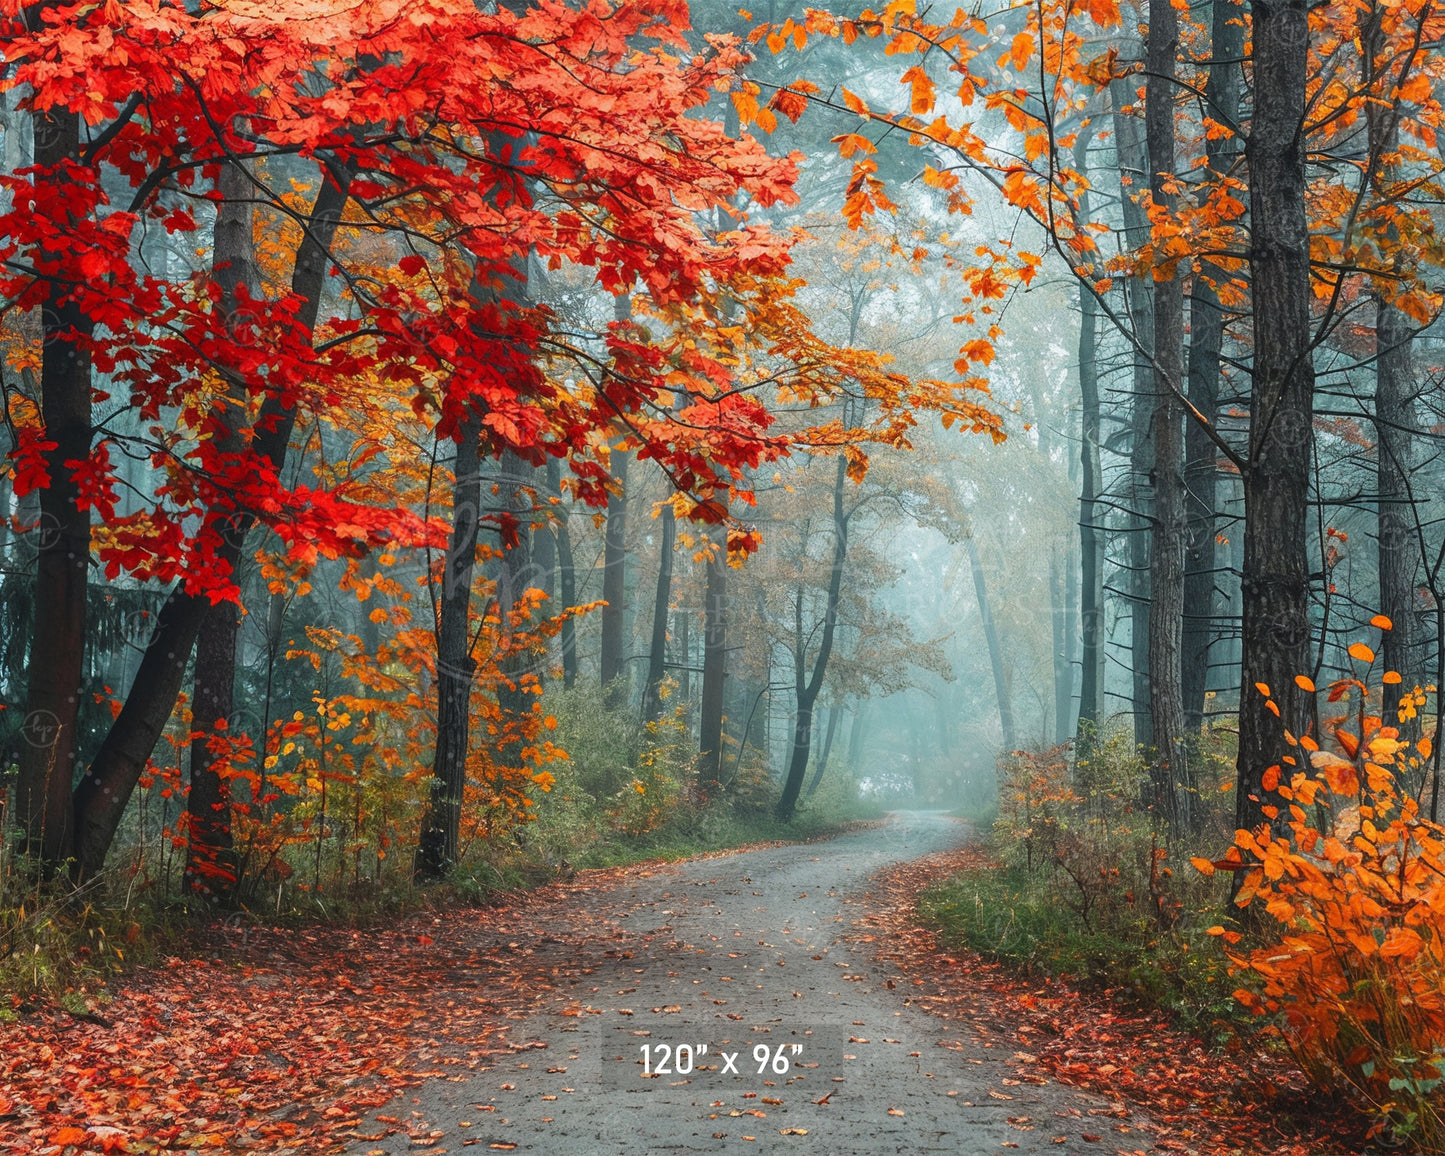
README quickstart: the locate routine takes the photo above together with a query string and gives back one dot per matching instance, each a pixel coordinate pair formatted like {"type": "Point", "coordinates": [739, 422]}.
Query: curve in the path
{"type": "Point", "coordinates": [740, 953]}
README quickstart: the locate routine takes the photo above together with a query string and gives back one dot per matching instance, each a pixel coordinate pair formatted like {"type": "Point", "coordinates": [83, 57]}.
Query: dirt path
{"type": "Point", "coordinates": [752, 951]}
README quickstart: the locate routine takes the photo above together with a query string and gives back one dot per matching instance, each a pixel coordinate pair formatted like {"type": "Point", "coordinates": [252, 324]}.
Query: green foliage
{"type": "Point", "coordinates": [63, 942]}
{"type": "Point", "coordinates": [1087, 891]}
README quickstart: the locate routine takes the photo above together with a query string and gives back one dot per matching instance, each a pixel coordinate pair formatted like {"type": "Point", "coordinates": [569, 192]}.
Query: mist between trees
{"type": "Point", "coordinates": [440, 437]}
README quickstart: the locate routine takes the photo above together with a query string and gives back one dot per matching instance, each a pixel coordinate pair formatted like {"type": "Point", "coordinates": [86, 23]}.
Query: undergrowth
{"type": "Point", "coordinates": [1088, 890]}
{"type": "Point", "coordinates": [625, 794]}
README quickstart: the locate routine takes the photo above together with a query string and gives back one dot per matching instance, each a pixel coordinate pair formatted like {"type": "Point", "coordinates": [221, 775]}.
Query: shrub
{"type": "Point", "coordinates": [1086, 889]}
{"type": "Point", "coordinates": [1352, 876]}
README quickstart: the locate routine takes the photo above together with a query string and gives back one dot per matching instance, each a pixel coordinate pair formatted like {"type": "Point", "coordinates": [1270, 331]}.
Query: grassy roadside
{"type": "Point", "coordinates": [1009, 917]}
{"type": "Point", "coordinates": [60, 947]}
{"type": "Point", "coordinates": [1084, 887]}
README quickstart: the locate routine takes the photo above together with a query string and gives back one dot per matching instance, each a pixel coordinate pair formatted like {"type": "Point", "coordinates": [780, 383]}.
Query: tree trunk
{"type": "Point", "coordinates": [1206, 343]}
{"type": "Point", "coordinates": [101, 796]}
{"type": "Point", "coordinates": [211, 866]}
{"type": "Point", "coordinates": [1276, 580]}
{"type": "Point", "coordinates": [995, 651]}
{"type": "Point", "coordinates": [566, 577]}
{"type": "Point", "coordinates": [714, 664]}
{"type": "Point", "coordinates": [1169, 762]}
{"type": "Point", "coordinates": [657, 651]}
{"type": "Point", "coordinates": [1070, 724]}
{"type": "Point", "coordinates": [855, 735]}
{"type": "Point", "coordinates": [614, 587]}
{"type": "Point", "coordinates": [544, 555]}
{"type": "Point", "coordinates": [437, 845]}
{"type": "Point", "coordinates": [1058, 619]}
{"type": "Point", "coordinates": [1134, 179]}
{"type": "Point", "coordinates": [614, 567]}
{"type": "Point", "coordinates": [210, 861]}
{"type": "Point", "coordinates": [822, 764]}
{"type": "Point", "coordinates": [514, 694]}
{"type": "Point", "coordinates": [809, 683]}
{"type": "Point", "coordinates": [58, 633]}
{"type": "Point", "coordinates": [1091, 611]}
{"type": "Point", "coordinates": [1395, 419]}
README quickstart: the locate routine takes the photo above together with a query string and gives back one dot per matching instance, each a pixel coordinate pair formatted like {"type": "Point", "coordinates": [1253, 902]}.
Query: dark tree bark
{"type": "Point", "coordinates": [1276, 579]}
{"type": "Point", "coordinates": [1134, 173]}
{"type": "Point", "coordinates": [211, 867]}
{"type": "Point", "coordinates": [58, 634]}
{"type": "Point", "coordinates": [1206, 343]}
{"type": "Point", "coordinates": [995, 650]}
{"type": "Point", "coordinates": [437, 845]}
{"type": "Point", "coordinates": [1169, 761]}
{"type": "Point", "coordinates": [809, 682]}
{"type": "Point", "coordinates": [714, 664]}
{"type": "Point", "coordinates": [657, 651]}
{"type": "Point", "coordinates": [210, 860]}
{"type": "Point", "coordinates": [102, 793]}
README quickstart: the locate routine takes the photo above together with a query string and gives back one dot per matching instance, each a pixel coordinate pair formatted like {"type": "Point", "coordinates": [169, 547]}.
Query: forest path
{"type": "Point", "coordinates": [755, 949]}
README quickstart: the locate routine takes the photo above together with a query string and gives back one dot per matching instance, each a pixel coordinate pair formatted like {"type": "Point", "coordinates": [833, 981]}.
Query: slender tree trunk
{"type": "Point", "coordinates": [1091, 610]}
{"type": "Point", "coordinates": [1276, 579]}
{"type": "Point", "coordinates": [1058, 619]}
{"type": "Point", "coordinates": [515, 691]}
{"type": "Point", "coordinates": [614, 586]}
{"type": "Point", "coordinates": [855, 735]}
{"type": "Point", "coordinates": [544, 552]}
{"type": "Point", "coordinates": [211, 866]}
{"type": "Point", "coordinates": [1395, 420]}
{"type": "Point", "coordinates": [1206, 343]}
{"type": "Point", "coordinates": [100, 797]}
{"type": "Point", "coordinates": [809, 683]}
{"type": "Point", "coordinates": [657, 651]}
{"type": "Point", "coordinates": [995, 651]}
{"type": "Point", "coordinates": [714, 664]}
{"type": "Point", "coordinates": [437, 845]}
{"type": "Point", "coordinates": [1070, 725]}
{"type": "Point", "coordinates": [821, 764]}
{"type": "Point", "coordinates": [1134, 169]}
{"type": "Point", "coordinates": [49, 731]}
{"type": "Point", "coordinates": [614, 569]}
{"type": "Point", "coordinates": [210, 860]}
{"type": "Point", "coordinates": [566, 577]}
{"type": "Point", "coordinates": [684, 645]}
{"type": "Point", "coordinates": [1169, 764]}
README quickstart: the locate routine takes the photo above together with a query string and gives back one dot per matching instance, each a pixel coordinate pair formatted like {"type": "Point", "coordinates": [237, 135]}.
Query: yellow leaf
{"type": "Point", "coordinates": [1361, 652]}
{"type": "Point", "coordinates": [1382, 622]}
{"type": "Point", "coordinates": [1304, 683]}
{"type": "Point", "coordinates": [1204, 867]}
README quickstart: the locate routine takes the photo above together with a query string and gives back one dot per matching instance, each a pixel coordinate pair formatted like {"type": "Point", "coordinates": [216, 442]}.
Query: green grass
{"type": "Point", "coordinates": [1021, 920]}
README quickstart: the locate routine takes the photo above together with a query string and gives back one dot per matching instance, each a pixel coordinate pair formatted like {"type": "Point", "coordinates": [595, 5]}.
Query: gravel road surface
{"type": "Point", "coordinates": [748, 956]}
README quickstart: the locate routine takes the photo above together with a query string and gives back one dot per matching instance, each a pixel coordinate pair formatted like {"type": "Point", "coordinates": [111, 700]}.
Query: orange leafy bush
{"type": "Point", "coordinates": [1352, 873]}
